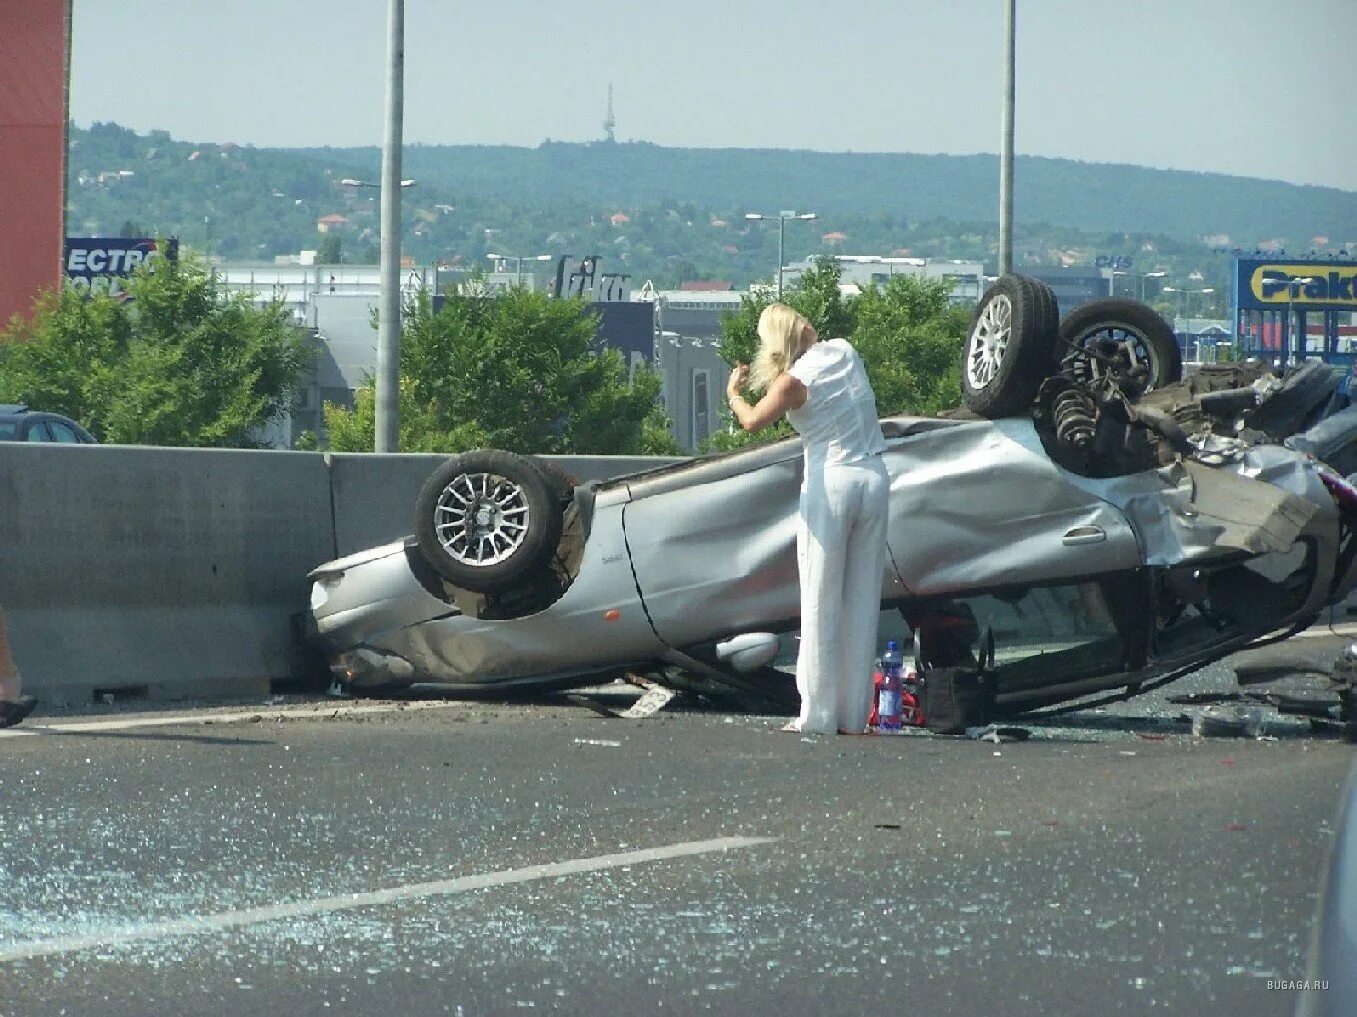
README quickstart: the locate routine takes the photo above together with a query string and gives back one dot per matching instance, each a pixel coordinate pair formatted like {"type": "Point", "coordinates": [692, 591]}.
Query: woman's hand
{"type": "Point", "coordinates": [738, 379]}
{"type": "Point", "coordinates": [785, 393]}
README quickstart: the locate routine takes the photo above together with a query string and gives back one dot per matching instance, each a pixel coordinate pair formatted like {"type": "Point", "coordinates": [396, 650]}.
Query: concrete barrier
{"type": "Point", "coordinates": [178, 572]}
{"type": "Point", "coordinates": [170, 571]}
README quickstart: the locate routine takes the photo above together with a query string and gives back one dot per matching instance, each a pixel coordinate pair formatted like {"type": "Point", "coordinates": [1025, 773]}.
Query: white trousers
{"type": "Point", "coordinates": [841, 552]}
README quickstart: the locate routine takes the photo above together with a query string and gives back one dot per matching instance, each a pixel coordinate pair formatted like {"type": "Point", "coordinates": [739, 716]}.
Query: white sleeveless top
{"type": "Point", "coordinates": [837, 422]}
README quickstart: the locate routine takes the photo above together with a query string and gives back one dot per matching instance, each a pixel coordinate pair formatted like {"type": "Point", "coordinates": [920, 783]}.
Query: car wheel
{"type": "Point", "coordinates": [486, 519]}
{"type": "Point", "coordinates": [1118, 340]}
{"type": "Point", "coordinates": [1008, 351]}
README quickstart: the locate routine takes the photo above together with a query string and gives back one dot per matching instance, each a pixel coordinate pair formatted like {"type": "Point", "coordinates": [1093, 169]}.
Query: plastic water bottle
{"type": "Point", "coordinates": [888, 703]}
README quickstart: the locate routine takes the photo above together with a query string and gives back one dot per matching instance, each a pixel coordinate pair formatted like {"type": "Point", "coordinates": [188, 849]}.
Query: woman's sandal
{"type": "Point", "coordinates": [14, 710]}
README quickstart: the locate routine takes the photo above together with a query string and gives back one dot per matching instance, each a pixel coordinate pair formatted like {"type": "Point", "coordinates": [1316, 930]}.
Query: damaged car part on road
{"type": "Point", "coordinates": [1110, 527]}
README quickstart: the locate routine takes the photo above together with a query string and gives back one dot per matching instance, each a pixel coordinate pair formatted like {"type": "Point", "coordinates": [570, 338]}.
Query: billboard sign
{"type": "Point", "coordinates": [1279, 284]}
{"type": "Point", "coordinates": [99, 264]}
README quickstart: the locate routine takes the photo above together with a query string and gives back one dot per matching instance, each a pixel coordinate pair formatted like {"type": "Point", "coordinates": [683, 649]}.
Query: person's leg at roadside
{"type": "Point", "coordinates": [822, 561]}
{"type": "Point", "coordinates": [865, 561]}
{"type": "Point", "coordinates": [14, 706]}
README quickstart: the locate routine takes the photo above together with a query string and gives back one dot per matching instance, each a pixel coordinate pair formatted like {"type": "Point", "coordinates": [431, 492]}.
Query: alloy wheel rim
{"type": "Point", "coordinates": [989, 342]}
{"type": "Point", "coordinates": [481, 519]}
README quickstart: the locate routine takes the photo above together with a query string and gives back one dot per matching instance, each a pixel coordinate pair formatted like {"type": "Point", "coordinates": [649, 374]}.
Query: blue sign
{"type": "Point", "coordinates": [1117, 262]}
{"type": "Point", "coordinates": [99, 264]}
{"type": "Point", "coordinates": [1283, 284]}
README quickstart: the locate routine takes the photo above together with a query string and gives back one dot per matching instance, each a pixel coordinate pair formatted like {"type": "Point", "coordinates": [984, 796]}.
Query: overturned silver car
{"type": "Point", "coordinates": [1112, 527]}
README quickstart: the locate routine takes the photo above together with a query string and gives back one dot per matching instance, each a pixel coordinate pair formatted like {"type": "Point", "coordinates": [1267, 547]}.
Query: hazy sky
{"type": "Point", "coordinates": [1251, 87]}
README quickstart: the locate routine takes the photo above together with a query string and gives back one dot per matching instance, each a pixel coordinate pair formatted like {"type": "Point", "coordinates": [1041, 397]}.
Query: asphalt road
{"type": "Point", "coordinates": [1114, 864]}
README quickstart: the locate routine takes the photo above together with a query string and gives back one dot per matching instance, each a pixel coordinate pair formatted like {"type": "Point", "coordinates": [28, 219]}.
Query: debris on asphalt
{"type": "Point", "coordinates": [1215, 723]}
{"type": "Point", "coordinates": [998, 733]}
{"type": "Point", "coordinates": [654, 699]}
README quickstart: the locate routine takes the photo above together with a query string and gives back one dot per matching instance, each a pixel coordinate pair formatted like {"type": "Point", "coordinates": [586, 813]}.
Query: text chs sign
{"type": "Point", "coordinates": [100, 264]}
{"type": "Point", "coordinates": [1264, 284]}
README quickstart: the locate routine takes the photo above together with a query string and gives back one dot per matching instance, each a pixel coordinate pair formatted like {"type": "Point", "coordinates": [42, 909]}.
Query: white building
{"type": "Point", "coordinates": [862, 270]}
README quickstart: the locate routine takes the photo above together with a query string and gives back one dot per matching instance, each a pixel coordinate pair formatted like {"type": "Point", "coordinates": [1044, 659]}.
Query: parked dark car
{"type": "Point", "coordinates": [19, 423]}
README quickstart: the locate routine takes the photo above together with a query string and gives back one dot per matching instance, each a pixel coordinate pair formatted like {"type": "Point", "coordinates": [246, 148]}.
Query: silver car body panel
{"type": "Point", "coordinates": [598, 623]}
{"type": "Point", "coordinates": [694, 553]}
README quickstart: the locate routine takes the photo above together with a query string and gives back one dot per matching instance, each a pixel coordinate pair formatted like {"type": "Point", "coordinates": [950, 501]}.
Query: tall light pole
{"type": "Point", "coordinates": [1291, 289]}
{"type": "Point", "coordinates": [1006, 152]}
{"type": "Point", "coordinates": [1183, 300]}
{"type": "Point", "coordinates": [781, 218]}
{"type": "Point", "coordinates": [518, 263]}
{"type": "Point", "coordinates": [351, 182]}
{"type": "Point", "coordinates": [1148, 275]}
{"type": "Point", "coordinates": [388, 315]}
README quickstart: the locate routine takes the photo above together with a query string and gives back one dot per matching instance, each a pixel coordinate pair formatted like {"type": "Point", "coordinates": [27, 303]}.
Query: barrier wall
{"type": "Point", "coordinates": [172, 570]}
{"type": "Point", "coordinates": [179, 571]}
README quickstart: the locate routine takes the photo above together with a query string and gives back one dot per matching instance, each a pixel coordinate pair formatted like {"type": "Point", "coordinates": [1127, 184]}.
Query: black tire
{"type": "Point", "coordinates": [486, 519]}
{"type": "Point", "coordinates": [1008, 351]}
{"type": "Point", "coordinates": [1124, 338]}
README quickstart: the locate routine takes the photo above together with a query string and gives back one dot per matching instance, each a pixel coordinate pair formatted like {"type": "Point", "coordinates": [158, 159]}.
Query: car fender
{"type": "Point", "coordinates": [598, 623]}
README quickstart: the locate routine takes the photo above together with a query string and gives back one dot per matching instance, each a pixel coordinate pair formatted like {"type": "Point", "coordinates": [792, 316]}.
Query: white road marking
{"type": "Point", "coordinates": [348, 902]}
{"type": "Point", "coordinates": [198, 717]}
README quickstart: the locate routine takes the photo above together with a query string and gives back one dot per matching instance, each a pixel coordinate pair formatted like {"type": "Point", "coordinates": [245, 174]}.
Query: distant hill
{"type": "Point", "coordinates": [1062, 192]}
{"type": "Point", "coordinates": [681, 209]}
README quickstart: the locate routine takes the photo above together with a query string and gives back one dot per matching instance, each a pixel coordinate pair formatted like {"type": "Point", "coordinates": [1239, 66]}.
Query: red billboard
{"type": "Point", "coordinates": [32, 149]}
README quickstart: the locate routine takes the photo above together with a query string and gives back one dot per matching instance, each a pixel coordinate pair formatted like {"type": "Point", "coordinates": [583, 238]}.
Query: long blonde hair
{"type": "Point", "coordinates": [782, 338]}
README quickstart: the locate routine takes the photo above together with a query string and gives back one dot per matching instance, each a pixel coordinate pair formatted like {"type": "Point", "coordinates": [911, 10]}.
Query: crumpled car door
{"type": "Point", "coordinates": [981, 506]}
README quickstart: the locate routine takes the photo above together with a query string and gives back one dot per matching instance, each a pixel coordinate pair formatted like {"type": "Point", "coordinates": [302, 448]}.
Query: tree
{"type": "Point", "coordinates": [330, 251]}
{"type": "Point", "coordinates": [909, 337]}
{"type": "Point", "coordinates": [522, 372]}
{"type": "Point", "coordinates": [176, 364]}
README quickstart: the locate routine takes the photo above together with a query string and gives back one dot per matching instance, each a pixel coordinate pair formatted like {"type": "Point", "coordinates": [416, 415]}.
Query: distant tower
{"type": "Point", "coordinates": [610, 121]}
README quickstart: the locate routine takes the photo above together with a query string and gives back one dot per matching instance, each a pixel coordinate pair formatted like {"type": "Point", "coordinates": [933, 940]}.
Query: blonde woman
{"type": "Point", "coordinates": [13, 706]}
{"type": "Point", "coordinates": [822, 389]}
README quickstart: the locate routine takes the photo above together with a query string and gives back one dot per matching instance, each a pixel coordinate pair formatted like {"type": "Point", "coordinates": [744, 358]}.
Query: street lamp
{"type": "Point", "coordinates": [1292, 288]}
{"type": "Point", "coordinates": [1148, 275]}
{"type": "Point", "coordinates": [1185, 304]}
{"type": "Point", "coordinates": [781, 218]}
{"type": "Point", "coordinates": [518, 262]}
{"type": "Point", "coordinates": [386, 430]}
{"type": "Point", "coordinates": [351, 182]}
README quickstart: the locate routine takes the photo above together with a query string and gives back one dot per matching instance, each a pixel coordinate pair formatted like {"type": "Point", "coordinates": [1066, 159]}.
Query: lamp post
{"type": "Point", "coordinates": [781, 218]}
{"type": "Point", "coordinates": [351, 182]}
{"type": "Point", "coordinates": [1177, 304]}
{"type": "Point", "coordinates": [1183, 300]}
{"type": "Point", "coordinates": [518, 263]}
{"type": "Point", "coordinates": [387, 429]}
{"type": "Point", "coordinates": [1006, 144]}
{"type": "Point", "coordinates": [1148, 275]}
{"type": "Point", "coordinates": [1291, 289]}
